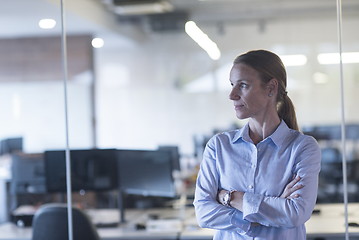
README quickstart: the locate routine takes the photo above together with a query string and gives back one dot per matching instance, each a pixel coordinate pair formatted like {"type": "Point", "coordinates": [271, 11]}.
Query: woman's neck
{"type": "Point", "coordinates": [259, 130]}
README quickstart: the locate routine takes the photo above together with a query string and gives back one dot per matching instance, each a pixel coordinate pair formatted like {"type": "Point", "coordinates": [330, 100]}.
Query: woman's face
{"type": "Point", "coordinates": [250, 98]}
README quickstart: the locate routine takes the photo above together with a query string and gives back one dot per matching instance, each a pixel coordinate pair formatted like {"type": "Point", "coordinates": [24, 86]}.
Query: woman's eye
{"type": "Point", "coordinates": [243, 85]}
{"type": "Point", "coordinates": [239, 85]}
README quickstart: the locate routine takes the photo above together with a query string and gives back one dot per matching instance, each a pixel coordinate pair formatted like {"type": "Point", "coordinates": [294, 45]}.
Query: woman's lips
{"type": "Point", "coordinates": [238, 106]}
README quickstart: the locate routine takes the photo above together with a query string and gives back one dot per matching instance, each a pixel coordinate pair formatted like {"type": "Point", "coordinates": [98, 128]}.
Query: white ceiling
{"type": "Point", "coordinates": [290, 26]}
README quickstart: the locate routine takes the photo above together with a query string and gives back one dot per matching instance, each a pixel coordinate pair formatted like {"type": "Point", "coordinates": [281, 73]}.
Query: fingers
{"type": "Point", "coordinates": [291, 188]}
{"type": "Point", "coordinates": [290, 192]}
{"type": "Point", "coordinates": [293, 196]}
{"type": "Point", "coordinates": [295, 180]}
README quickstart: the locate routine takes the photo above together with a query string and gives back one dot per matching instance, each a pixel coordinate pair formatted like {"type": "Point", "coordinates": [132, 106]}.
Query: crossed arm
{"type": "Point", "coordinates": [236, 200]}
{"type": "Point", "coordinates": [285, 210]}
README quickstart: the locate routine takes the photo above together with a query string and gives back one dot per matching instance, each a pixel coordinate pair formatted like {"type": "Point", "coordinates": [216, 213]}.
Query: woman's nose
{"type": "Point", "coordinates": [233, 95]}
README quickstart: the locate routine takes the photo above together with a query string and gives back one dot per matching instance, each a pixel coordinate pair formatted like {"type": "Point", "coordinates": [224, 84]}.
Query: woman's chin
{"type": "Point", "coordinates": [241, 115]}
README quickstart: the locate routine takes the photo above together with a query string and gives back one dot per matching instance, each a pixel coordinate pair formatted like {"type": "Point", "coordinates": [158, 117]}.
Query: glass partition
{"type": "Point", "coordinates": [151, 85]}
{"type": "Point", "coordinates": [32, 97]}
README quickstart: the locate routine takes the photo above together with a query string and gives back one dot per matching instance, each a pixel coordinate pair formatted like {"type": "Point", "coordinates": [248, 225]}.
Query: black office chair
{"type": "Point", "coordinates": [50, 222]}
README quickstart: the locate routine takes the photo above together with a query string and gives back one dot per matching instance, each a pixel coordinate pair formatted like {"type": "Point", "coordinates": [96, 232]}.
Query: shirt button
{"type": "Point", "coordinates": [253, 166]}
{"type": "Point", "coordinates": [250, 186]}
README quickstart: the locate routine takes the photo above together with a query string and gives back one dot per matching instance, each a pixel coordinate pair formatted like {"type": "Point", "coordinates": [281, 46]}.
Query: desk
{"type": "Point", "coordinates": [9, 231]}
{"type": "Point", "coordinates": [328, 225]}
{"type": "Point", "coordinates": [126, 231]}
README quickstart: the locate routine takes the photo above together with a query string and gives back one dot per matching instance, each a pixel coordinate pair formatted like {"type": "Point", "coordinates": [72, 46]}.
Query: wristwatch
{"type": "Point", "coordinates": [227, 198]}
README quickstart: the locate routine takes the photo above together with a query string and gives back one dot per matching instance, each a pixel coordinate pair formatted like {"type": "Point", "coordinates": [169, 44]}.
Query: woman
{"type": "Point", "coordinates": [245, 187]}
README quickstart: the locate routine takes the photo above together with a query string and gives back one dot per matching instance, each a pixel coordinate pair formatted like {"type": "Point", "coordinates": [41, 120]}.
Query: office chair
{"type": "Point", "coordinates": [50, 222]}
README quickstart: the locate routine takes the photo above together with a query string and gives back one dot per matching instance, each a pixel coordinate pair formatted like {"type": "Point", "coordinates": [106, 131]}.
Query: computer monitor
{"type": "Point", "coordinates": [330, 176]}
{"type": "Point", "coordinates": [146, 173]}
{"type": "Point", "coordinates": [11, 145]}
{"type": "Point", "coordinates": [91, 170]}
{"type": "Point", "coordinates": [175, 155]}
{"type": "Point", "coordinates": [28, 175]}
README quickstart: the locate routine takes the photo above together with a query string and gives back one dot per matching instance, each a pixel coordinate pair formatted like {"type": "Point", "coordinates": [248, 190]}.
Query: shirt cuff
{"type": "Point", "coordinates": [238, 221]}
{"type": "Point", "coordinates": [251, 203]}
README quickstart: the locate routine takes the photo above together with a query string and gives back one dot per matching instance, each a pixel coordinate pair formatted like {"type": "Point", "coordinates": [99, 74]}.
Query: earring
{"type": "Point", "coordinates": [270, 95]}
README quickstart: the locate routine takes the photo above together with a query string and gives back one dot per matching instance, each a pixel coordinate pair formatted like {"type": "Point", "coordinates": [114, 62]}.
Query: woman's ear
{"type": "Point", "coordinates": [272, 87]}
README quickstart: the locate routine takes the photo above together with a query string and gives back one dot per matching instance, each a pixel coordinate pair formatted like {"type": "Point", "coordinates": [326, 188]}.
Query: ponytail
{"type": "Point", "coordinates": [286, 111]}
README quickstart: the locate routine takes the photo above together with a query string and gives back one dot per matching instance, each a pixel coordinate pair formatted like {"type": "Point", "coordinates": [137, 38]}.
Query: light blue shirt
{"type": "Point", "coordinates": [231, 161]}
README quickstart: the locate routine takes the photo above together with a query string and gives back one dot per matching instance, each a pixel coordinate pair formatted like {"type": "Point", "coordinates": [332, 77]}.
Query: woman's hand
{"type": "Point", "coordinates": [291, 188]}
{"type": "Point", "coordinates": [220, 196]}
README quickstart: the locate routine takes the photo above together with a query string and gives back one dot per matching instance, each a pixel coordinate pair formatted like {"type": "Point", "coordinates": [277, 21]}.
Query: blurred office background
{"type": "Point", "coordinates": [151, 85]}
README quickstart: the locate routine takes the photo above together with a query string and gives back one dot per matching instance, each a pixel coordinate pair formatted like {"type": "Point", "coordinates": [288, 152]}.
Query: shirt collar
{"type": "Point", "coordinates": [278, 137]}
{"type": "Point", "coordinates": [243, 134]}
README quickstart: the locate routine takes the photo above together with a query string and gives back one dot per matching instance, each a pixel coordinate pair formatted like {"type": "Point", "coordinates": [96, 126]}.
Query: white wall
{"type": "Point", "coordinates": [142, 104]}
{"type": "Point", "coordinates": [35, 110]}
{"type": "Point", "coordinates": [142, 97]}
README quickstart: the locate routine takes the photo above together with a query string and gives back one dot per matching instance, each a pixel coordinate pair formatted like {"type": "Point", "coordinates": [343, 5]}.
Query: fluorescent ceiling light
{"type": "Point", "coordinates": [334, 58]}
{"type": "Point", "coordinates": [294, 60]}
{"type": "Point", "coordinates": [143, 8]}
{"type": "Point", "coordinates": [97, 42]}
{"type": "Point", "coordinates": [202, 40]}
{"type": "Point", "coordinates": [47, 23]}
